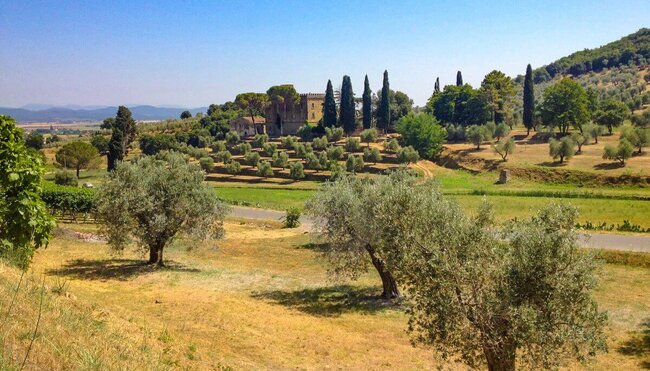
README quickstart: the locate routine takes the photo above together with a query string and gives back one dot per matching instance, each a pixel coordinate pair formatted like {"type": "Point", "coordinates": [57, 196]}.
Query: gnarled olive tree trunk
{"type": "Point", "coordinates": [502, 359]}
{"type": "Point", "coordinates": [156, 254]}
{"type": "Point", "coordinates": [391, 291]}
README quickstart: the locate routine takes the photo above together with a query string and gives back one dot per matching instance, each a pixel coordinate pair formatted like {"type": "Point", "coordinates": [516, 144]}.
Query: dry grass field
{"type": "Point", "coordinates": [260, 299]}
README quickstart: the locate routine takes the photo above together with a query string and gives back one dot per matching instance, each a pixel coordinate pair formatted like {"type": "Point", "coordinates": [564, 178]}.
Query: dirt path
{"type": "Point", "coordinates": [591, 240]}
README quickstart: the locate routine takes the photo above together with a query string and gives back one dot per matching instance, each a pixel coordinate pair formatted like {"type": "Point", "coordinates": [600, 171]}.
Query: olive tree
{"type": "Point", "coordinates": [154, 200]}
{"type": "Point", "coordinates": [521, 295]}
{"type": "Point", "coordinates": [504, 147]}
{"type": "Point", "coordinates": [351, 236]}
{"type": "Point", "coordinates": [562, 149]}
{"type": "Point", "coordinates": [25, 223]}
{"type": "Point", "coordinates": [619, 153]}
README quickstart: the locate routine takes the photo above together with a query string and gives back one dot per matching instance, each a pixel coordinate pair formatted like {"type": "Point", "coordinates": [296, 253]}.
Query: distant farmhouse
{"type": "Point", "coordinates": [280, 120]}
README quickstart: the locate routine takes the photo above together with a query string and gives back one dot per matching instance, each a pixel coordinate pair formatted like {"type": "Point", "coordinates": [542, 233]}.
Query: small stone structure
{"type": "Point", "coordinates": [504, 176]}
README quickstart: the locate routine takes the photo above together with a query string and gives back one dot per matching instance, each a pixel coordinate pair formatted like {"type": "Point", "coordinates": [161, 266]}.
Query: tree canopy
{"type": "Point", "coordinates": [462, 105]}
{"type": "Point", "coordinates": [154, 200]}
{"type": "Point", "coordinates": [253, 103]}
{"type": "Point", "coordinates": [77, 155]}
{"type": "Point", "coordinates": [367, 104]}
{"type": "Point", "coordinates": [383, 111]}
{"type": "Point", "coordinates": [529, 100]}
{"type": "Point", "coordinates": [423, 133]}
{"type": "Point", "coordinates": [499, 91]}
{"type": "Point", "coordinates": [565, 105]}
{"type": "Point", "coordinates": [25, 223]}
{"type": "Point", "coordinates": [329, 107]}
{"type": "Point", "coordinates": [347, 106]}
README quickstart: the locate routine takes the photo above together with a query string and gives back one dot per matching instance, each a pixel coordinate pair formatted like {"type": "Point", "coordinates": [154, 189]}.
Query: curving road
{"type": "Point", "coordinates": [591, 240]}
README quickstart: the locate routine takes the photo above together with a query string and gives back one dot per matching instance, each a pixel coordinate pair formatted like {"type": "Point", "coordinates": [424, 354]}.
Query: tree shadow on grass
{"type": "Point", "coordinates": [114, 269]}
{"type": "Point", "coordinates": [638, 345]}
{"type": "Point", "coordinates": [318, 247]}
{"type": "Point", "coordinates": [552, 164]}
{"type": "Point", "coordinates": [608, 165]}
{"type": "Point", "coordinates": [331, 301]}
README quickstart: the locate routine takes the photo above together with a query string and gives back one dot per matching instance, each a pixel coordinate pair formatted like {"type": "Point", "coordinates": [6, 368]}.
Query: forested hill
{"type": "Point", "coordinates": [632, 49]}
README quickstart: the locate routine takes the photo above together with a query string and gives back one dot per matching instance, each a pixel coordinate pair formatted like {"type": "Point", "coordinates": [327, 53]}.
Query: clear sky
{"type": "Point", "coordinates": [193, 53]}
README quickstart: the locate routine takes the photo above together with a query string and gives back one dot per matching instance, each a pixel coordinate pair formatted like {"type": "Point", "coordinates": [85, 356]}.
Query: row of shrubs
{"type": "Point", "coordinates": [625, 227]}
{"type": "Point", "coordinates": [69, 199]}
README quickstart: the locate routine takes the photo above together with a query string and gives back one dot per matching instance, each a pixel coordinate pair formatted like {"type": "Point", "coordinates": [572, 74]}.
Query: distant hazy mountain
{"type": "Point", "coordinates": [48, 113]}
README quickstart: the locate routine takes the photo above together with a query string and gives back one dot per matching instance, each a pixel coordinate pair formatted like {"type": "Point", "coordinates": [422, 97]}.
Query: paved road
{"type": "Point", "coordinates": [592, 240]}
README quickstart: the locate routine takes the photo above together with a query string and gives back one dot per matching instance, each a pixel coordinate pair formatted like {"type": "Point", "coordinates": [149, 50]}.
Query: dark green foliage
{"type": "Point", "coordinates": [529, 99]}
{"type": "Point", "coordinates": [565, 105]}
{"type": "Point", "coordinates": [352, 145]}
{"type": "Point", "coordinates": [461, 105]}
{"type": "Point", "coordinates": [34, 140]}
{"type": "Point", "coordinates": [282, 97]}
{"type": "Point", "coordinates": [252, 158]}
{"type": "Point", "coordinates": [354, 164]}
{"type": "Point", "coordinates": [292, 219]}
{"type": "Point", "coordinates": [62, 199]}
{"type": "Point", "coordinates": [631, 49]}
{"type": "Point", "coordinates": [259, 140]}
{"type": "Point", "coordinates": [124, 132]}
{"type": "Point", "coordinates": [252, 103]}
{"type": "Point", "coordinates": [459, 79]}
{"type": "Point", "coordinates": [233, 167]}
{"type": "Point", "coordinates": [436, 86]}
{"type": "Point", "coordinates": [232, 137]}
{"type": "Point", "coordinates": [346, 115]}
{"type": "Point", "coordinates": [334, 134]}
{"type": "Point", "coordinates": [367, 104]}
{"type": "Point", "coordinates": [65, 178]}
{"type": "Point", "coordinates": [269, 148]}
{"type": "Point", "coordinates": [498, 90]}
{"type": "Point", "coordinates": [218, 146]}
{"type": "Point", "coordinates": [223, 156]}
{"type": "Point", "coordinates": [305, 133]}
{"type": "Point", "coordinates": [25, 224]}
{"type": "Point", "coordinates": [423, 133]}
{"type": "Point", "coordinates": [152, 144]}
{"type": "Point", "coordinates": [320, 143]}
{"type": "Point", "coordinates": [611, 113]}
{"type": "Point", "coordinates": [400, 105]}
{"type": "Point", "coordinates": [335, 153]}
{"type": "Point", "coordinates": [383, 114]}
{"type": "Point", "coordinates": [100, 142]}
{"type": "Point", "coordinates": [329, 107]}
{"type": "Point", "coordinates": [186, 115]}
{"type": "Point", "coordinates": [108, 123]}
{"type": "Point", "coordinates": [280, 159]}
{"type": "Point", "coordinates": [372, 155]}
{"type": "Point", "coordinates": [77, 155]}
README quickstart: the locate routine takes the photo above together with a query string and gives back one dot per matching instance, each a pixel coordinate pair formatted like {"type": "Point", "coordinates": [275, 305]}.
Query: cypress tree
{"type": "Point", "coordinates": [436, 86]}
{"type": "Point", "coordinates": [459, 79]}
{"type": "Point", "coordinates": [124, 133]}
{"type": "Point", "coordinates": [367, 105]}
{"type": "Point", "coordinates": [329, 107]}
{"type": "Point", "coordinates": [383, 120]}
{"type": "Point", "coordinates": [346, 115]}
{"type": "Point", "coordinates": [529, 99]}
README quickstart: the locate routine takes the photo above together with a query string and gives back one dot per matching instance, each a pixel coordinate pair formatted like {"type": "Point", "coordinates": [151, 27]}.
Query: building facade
{"type": "Point", "coordinates": [286, 120]}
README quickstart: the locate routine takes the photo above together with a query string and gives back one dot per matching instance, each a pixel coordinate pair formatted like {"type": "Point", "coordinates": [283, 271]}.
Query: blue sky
{"type": "Point", "coordinates": [193, 53]}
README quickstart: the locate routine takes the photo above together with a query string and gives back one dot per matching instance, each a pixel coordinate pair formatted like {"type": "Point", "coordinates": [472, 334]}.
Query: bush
{"type": "Point", "coordinates": [334, 134]}
{"type": "Point", "coordinates": [305, 133]}
{"type": "Point", "coordinates": [289, 141]}
{"type": "Point", "coordinates": [292, 219]}
{"type": "Point", "coordinates": [501, 130]}
{"type": "Point", "coordinates": [352, 144]}
{"type": "Point", "coordinates": [392, 145]}
{"type": "Point", "coordinates": [354, 164]}
{"type": "Point", "coordinates": [243, 148]}
{"type": "Point", "coordinates": [455, 133]}
{"type": "Point", "coordinates": [369, 135]}
{"type": "Point", "coordinates": [299, 149]}
{"type": "Point", "coordinates": [619, 153]}
{"type": "Point", "coordinates": [311, 162]}
{"type": "Point", "coordinates": [218, 146]}
{"type": "Point", "coordinates": [335, 153]}
{"type": "Point", "coordinates": [65, 199]}
{"type": "Point", "coordinates": [423, 133]}
{"type": "Point", "coordinates": [270, 148]}
{"type": "Point", "coordinates": [637, 136]}
{"type": "Point", "coordinates": [337, 170]}
{"type": "Point", "coordinates": [252, 158]}
{"type": "Point", "coordinates": [594, 131]}
{"type": "Point", "coordinates": [233, 167]}
{"type": "Point", "coordinates": [407, 155]}
{"type": "Point", "coordinates": [232, 137]}
{"type": "Point", "coordinates": [65, 178]}
{"type": "Point", "coordinates": [477, 134]}
{"type": "Point", "coordinates": [372, 155]}
{"type": "Point", "coordinates": [259, 140]}
{"type": "Point", "coordinates": [223, 156]}
{"type": "Point", "coordinates": [207, 164]}
{"type": "Point", "coordinates": [562, 149]}
{"type": "Point", "coordinates": [323, 160]}
{"type": "Point", "coordinates": [280, 159]}
{"type": "Point", "coordinates": [296, 170]}
{"type": "Point", "coordinates": [580, 139]}
{"type": "Point", "coordinates": [264, 169]}
{"type": "Point", "coordinates": [320, 143]}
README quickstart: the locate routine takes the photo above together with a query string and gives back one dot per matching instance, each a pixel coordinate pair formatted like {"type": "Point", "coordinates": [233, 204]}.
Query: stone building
{"type": "Point", "coordinates": [286, 121]}
{"type": "Point", "coordinates": [247, 126]}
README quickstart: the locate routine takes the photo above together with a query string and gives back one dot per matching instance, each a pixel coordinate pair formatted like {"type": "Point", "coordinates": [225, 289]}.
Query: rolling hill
{"type": "Point", "coordinates": [62, 114]}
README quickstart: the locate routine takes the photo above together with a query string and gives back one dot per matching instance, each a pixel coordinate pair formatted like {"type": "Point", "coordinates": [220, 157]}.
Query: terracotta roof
{"type": "Point", "coordinates": [249, 121]}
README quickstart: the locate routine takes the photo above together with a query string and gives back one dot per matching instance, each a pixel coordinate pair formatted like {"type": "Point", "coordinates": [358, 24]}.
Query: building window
{"type": "Point", "coordinates": [312, 105]}
{"type": "Point", "coordinates": [313, 116]}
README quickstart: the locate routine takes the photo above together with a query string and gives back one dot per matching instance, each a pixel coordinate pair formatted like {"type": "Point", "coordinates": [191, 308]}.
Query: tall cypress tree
{"type": "Point", "coordinates": [346, 115]}
{"type": "Point", "coordinates": [367, 104]}
{"type": "Point", "coordinates": [459, 79]}
{"type": "Point", "coordinates": [529, 99]}
{"type": "Point", "coordinates": [383, 120]}
{"type": "Point", "coordinates": [124, 133]}
{"type": "Point", "coordinates": [329, 107]}
{"type": "Point", "coordinates": [436, 86]}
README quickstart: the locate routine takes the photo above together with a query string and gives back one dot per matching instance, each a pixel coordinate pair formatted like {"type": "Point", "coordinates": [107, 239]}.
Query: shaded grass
{"type": "Point", "coordinates": [627, 258]}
